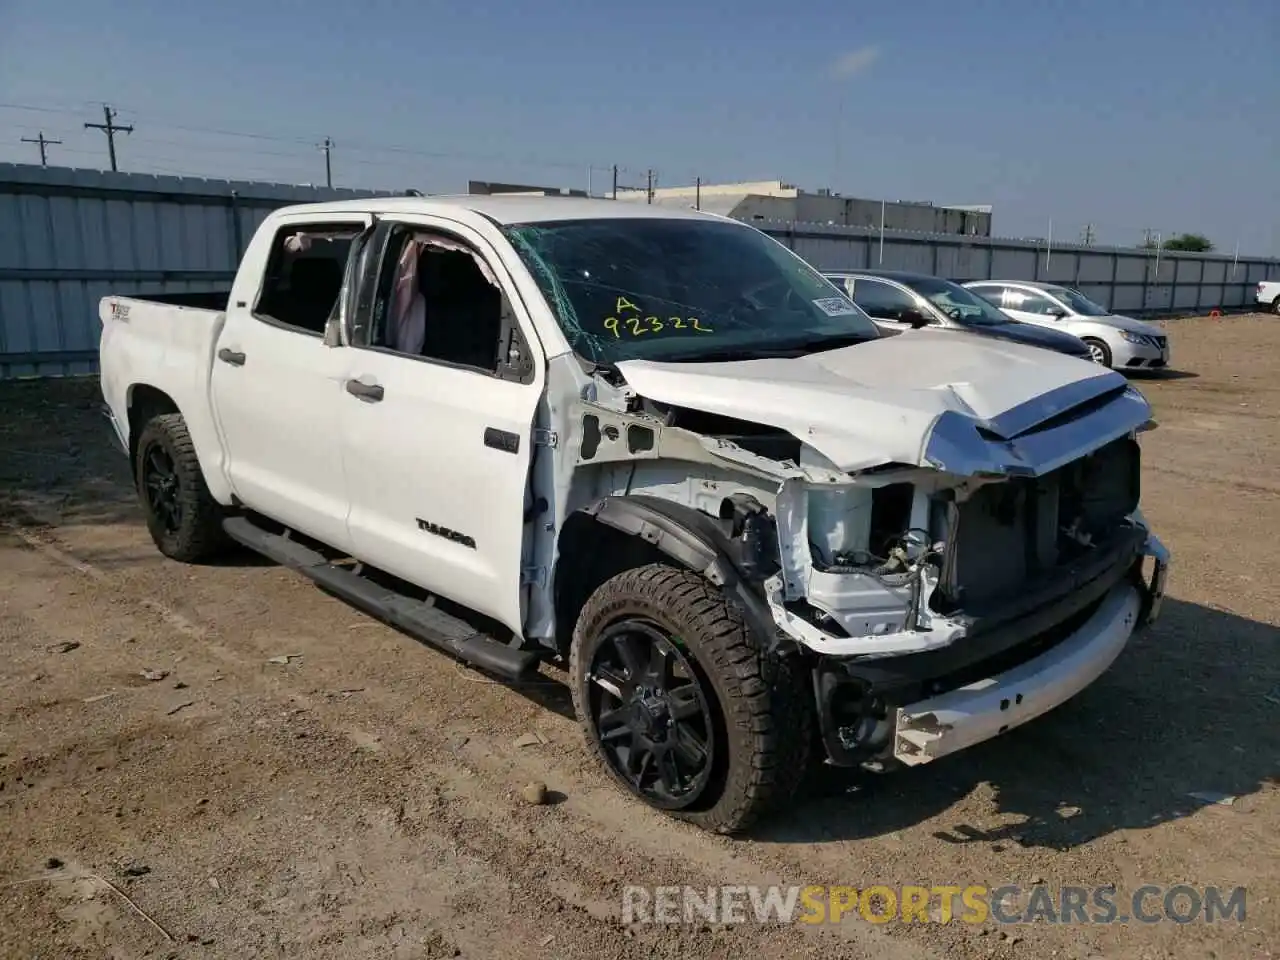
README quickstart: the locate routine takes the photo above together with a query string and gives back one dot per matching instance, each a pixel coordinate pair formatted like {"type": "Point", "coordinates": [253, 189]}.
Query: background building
{"type": "Point", "coordinates": [775, 200]}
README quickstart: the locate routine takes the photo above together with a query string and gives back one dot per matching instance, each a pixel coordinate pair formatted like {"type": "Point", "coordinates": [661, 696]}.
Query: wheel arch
{"type": "Point", "coordinates": [143, 402]}
{"type": "Point", "coordinates": [618, 533]}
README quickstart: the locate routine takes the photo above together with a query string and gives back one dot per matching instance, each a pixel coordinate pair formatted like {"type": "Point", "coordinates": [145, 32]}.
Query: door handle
{"type": "Point", "coordinates": [365, 391]}
{"type": "Point", "coordinates": [233, 357]}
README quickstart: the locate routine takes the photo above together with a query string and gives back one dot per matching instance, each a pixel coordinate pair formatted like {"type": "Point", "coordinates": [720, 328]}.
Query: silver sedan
{"type": "Point", "coordinates": [1122, 343]}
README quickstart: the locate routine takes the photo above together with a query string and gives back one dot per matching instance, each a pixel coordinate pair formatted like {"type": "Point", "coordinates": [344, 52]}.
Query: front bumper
{"type": "Point", "coordinates": [944, 724]}
{"type": "Point", "coordinates": [986, 706]}
{"type": "Point", "coordinates": [1139, 356]}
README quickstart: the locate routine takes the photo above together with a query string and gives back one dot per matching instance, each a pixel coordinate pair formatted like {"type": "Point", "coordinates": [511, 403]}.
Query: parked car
{"type": "Point", "coordinates": [898, 300]}
{"type": "Point", "coordinates": [1268, 294]}
{"type": "Point", "coordinates": [656, 448]}
{"type": "Point", "coordinates": [1114, 341]}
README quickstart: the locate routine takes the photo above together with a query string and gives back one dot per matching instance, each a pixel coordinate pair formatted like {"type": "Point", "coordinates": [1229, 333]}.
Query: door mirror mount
{"type": "Point", "coordinates": [914, 318]}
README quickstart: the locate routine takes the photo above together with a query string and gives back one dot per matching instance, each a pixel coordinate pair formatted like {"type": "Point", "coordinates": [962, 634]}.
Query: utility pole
{"type": "Point", "coordinates": [614, 195]}
{"type": "Point", "coordinates": [44, 157]}
{"type": "Point", "coordinates": [327, 147]}
{"type": "Point", "coordinates": [697, 193]}
{"type": "Point", "coordinates": [1088, 235]}
{"type": "Point", "coordinates": [110, 128]}
{"type": "Point", "coordinates": [649, 189]}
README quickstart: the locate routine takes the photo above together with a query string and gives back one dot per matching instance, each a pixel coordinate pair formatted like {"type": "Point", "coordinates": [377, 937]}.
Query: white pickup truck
{"type": "Point", "coordinates": [1268, 295]}
{"type": "Point", "coordinates": [658, 448]}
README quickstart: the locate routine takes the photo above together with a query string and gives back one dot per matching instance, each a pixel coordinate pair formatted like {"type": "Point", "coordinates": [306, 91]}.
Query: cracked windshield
{"type": "Point", "coordinates": [677, 289]}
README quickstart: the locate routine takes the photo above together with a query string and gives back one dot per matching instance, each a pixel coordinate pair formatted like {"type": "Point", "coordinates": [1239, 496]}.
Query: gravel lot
{"type": "Point", "coordinates": [363, 799]}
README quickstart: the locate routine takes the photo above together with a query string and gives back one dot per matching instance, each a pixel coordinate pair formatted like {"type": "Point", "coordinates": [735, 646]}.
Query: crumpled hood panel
{"type": "Point", "coordinates": [878, 402]}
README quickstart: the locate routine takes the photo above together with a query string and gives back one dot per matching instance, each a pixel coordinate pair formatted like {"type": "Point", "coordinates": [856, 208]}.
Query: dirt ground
{"type": "Point", "coordinates": [363, 799]}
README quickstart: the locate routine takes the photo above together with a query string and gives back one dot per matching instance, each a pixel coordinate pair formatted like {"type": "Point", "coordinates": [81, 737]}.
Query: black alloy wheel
{"type": "Point", "coordinates": [161, 488]}
{"type": "Point", "coordinates": [651, 713]}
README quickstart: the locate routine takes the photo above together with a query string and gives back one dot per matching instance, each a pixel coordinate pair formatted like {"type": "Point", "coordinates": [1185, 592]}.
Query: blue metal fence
{"type": "Point", "coordinates": [69, 237]}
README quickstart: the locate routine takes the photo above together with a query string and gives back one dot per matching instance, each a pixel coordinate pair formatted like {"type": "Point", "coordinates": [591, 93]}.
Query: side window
{"type": "Point", "coordinates": [1029, 302]}
{"type": "Point", "coordinates": [882, 300]}
{"type": "Point", "coordinates": [841, 282]}
{"type": "Point", "coordinates": [993, 295]}
{"type": "Point", "coordinates": [438, 300]}
{"type": "Point", "coordinates": [304, 275]}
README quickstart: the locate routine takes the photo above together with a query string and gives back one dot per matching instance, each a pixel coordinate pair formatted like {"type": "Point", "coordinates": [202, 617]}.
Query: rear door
{"type": "Point", "coordinates": [277, 389]}
{"type": "Point", "coordinates": [436, 425]}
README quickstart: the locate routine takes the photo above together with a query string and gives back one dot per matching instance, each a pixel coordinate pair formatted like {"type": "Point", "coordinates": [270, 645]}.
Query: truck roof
{"type": "Point", "coordinates": [508, 208]}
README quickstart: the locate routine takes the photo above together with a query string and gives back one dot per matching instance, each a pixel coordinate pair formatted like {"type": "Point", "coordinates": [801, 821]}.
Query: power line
{"type": "Point", "coordinates": [44, 157]}
{"type": "Point", "coordinates": [109, 127]}
{"type": "Point", "coordinates": [304, 142]}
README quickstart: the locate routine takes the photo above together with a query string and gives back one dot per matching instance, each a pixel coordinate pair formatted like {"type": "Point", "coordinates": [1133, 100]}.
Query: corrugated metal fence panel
{"type": "Point", "coordinates": [69, 237]}
{"type": "Point", "coordinates": [1125, 279]}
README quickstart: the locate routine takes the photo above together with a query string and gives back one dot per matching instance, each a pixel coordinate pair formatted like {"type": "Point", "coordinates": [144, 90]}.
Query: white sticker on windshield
{"type": "Point", "coordinates": [835, 306]}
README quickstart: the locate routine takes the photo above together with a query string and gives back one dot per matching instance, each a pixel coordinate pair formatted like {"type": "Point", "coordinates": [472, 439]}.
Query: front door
{"type": "Point", "coordinates": [1027, 306]}
{"type": "Point", "coordinates": [277, 388]}
{"type": "Point", "coordinates": [437, 438]}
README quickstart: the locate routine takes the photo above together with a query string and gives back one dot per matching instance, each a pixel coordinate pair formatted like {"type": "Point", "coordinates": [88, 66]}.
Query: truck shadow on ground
{"type": "Point", "coordinates": [1190, 707]}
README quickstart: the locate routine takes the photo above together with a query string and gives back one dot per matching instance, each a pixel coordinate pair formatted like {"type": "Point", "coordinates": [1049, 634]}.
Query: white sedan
{"type": "Point", "coordinates": [1122, 343]}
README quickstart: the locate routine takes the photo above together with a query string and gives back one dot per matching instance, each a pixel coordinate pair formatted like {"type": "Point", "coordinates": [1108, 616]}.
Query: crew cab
{"type": "Point", "coordinates": [657, 449]}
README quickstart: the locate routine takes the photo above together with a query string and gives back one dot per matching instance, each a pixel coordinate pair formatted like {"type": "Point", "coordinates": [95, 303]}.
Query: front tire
{"type": "Point", "coordinates": [681, 706]}
{"type": "Point", "coordinates": [1099, 352]}
{"type": "Point", "coordinates": [182, 517]}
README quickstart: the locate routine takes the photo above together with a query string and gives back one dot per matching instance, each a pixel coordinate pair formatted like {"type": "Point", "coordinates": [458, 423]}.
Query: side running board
{"type": "Point", "coordinates": [421, 620]}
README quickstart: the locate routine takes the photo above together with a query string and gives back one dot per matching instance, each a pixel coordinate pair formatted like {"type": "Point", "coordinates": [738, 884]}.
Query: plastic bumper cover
{"type": "Point", "coordinates": [950, 722]}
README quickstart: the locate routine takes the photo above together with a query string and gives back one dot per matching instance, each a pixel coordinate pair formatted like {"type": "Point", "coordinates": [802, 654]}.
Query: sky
{"type": "Point", "coordinates": [1122, 116]}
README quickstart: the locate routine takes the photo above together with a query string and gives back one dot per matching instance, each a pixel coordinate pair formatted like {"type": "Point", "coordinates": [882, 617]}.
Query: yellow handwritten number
{"type": "Point", "coordinates": [638, 326]}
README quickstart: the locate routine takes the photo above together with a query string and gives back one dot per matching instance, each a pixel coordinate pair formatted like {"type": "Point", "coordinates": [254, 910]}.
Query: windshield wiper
{"type": "Point", "coordinates": [789, 349]}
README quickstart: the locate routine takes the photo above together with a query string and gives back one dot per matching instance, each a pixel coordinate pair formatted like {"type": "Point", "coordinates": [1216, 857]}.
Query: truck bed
{"type": "Point", "coordinates": [203, 299]}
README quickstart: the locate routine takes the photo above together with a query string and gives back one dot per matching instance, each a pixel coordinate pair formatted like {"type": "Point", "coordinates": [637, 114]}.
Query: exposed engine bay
{"type": "Point", "coordinates": [892, 558]}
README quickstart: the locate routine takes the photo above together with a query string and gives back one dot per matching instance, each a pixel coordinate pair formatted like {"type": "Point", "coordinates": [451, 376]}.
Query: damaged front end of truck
{"type": "Point", "coordinates": [948, 564]}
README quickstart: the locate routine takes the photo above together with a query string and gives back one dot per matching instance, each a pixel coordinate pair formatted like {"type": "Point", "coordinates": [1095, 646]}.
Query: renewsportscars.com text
{"type": "Point", "coordinates": [1005, 904]}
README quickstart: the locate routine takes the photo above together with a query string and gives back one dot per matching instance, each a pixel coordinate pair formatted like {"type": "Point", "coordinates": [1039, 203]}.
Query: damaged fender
{"type": "Point", "coordinates": [696, 541]}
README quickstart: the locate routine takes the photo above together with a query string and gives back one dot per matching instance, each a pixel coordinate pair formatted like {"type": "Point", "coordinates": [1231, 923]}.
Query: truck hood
{"type": "Point", "coordinates": [967, 405]}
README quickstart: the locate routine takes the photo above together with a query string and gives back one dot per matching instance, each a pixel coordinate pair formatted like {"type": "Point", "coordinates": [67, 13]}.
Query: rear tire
{"type": "Point", "coordinates": [1099, 352]}
{"type": "Point", "coordinates": [1275, 306]}
{"type": "Point", "coordinates": [732, 734]}
{"type": "Point", "coordinates": [182, 517]}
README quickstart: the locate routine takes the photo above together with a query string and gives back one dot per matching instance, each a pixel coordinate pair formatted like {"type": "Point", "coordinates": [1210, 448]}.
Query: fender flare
{"type": "Point", "coordinates": [696, 541]}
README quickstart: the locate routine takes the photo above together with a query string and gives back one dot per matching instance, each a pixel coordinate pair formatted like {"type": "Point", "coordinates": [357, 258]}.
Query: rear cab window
{"type": "Point", "coordinates": [304, 274]}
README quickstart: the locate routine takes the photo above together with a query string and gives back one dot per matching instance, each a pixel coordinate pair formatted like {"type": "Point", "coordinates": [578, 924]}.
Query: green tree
{"type": "Point", "coordinates": [1193, 242]}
